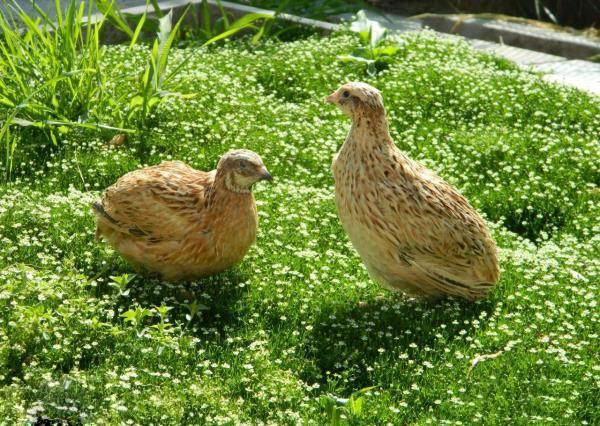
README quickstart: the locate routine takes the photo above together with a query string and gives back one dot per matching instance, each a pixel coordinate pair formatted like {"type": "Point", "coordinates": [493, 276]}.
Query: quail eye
{"type": "Point", "coordinates": [346, 94]}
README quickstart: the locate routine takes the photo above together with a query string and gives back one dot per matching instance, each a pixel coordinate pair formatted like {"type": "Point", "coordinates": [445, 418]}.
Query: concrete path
{"type": "Point", "coordinates": [517, 34]}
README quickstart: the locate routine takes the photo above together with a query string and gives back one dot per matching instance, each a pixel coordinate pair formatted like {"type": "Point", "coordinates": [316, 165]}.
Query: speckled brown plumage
{"type": "Point", "coordinates": [180, 222]}
{"type": "Point", "coordinates": [414, 231]}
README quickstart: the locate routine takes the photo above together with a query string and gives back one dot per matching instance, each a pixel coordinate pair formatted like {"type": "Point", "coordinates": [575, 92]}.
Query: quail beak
{"type": "Point", "coordinates": [265, 175]}
{"type": "Point", "coordinates": [332, 99]}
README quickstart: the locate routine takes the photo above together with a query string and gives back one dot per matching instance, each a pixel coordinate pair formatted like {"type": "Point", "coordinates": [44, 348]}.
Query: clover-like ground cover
{"type": "Point", "coordinates": [299, 318]}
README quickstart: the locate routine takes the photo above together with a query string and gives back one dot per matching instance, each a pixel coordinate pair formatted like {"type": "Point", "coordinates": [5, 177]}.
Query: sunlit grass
{"type": "Point", "coordinates": [299, 319]}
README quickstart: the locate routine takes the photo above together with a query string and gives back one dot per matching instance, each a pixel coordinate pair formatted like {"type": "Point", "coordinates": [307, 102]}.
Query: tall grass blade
{"type": "Point", "coordinates": [138, 30]}
{"type": "Point", "coordinates": [550, 15]}
{"type": "Point", "coordinates": [157, 10]}
{"type": "Point", "coordinates": [114, 16]}
{"type": "Point", "coordinates": [538, 12]}
{"type": "Point", "coordinates": [206, 28]}
{"type": "Point", "coordinates": [164, 30]}
{"type": "Point", "coordinates": [50, 73]}
{"type": "Point", "coordinates": [58, 10]}
{"type": "Point", "coordinates": [223, 13]}
{"type": "Point", "coordinates": [245, 21]}
{"type": "Point", "coordinates": [168, 42]}
{"type": "Point", "coordinates": [267, 25]}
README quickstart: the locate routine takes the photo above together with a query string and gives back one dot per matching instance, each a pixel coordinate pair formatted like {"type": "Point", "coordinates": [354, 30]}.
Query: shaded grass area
{"type": "Point", "coordinates": [299, 318]}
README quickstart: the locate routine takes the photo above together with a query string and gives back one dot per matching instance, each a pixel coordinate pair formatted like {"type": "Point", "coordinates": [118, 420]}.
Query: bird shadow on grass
{"type": "Point", "coordinates": [215, 297]}
{"type": "Point", "coordinates": [354, 336]}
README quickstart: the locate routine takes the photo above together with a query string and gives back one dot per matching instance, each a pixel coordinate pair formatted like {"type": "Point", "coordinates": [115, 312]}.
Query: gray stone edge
{"type": "Point", "coordinates": [513, 34]}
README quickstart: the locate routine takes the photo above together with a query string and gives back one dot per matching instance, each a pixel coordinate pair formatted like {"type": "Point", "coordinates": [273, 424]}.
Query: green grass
{"type": "Point", "coordinates": [299, 319]}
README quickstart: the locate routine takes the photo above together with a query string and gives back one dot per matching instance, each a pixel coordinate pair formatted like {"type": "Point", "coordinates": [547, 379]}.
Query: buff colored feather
{"type": "Point", "coordinates": [414, 231]}
{"type": "Point", "coordinates": [180, 222]}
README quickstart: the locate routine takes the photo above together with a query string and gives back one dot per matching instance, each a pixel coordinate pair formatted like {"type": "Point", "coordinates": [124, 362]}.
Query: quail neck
{"type": "Point", "coordinates": [368, 133]}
